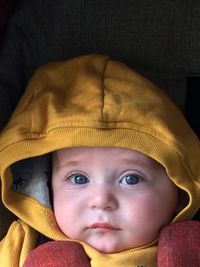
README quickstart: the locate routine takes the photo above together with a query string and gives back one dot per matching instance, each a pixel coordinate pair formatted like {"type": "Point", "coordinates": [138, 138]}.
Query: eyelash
{"type": "Point", "coordinates": [137, 180]}
{"type": "Point", "coordinates": [69, 178]}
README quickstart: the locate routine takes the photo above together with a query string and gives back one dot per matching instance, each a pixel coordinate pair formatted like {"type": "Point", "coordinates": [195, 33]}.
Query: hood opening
{"type": "Point", "coordinates": [32, 178]}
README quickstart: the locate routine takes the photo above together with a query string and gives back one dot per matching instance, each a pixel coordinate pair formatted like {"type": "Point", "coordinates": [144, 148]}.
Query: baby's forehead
{"type": "Point", "coordinates": [117, 152]}
{"type": "Point", "coordinates": [88, 154]}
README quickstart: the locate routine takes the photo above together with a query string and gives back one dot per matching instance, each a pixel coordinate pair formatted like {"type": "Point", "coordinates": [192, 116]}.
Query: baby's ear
{"type": "Point", "coordinates": [183, 200]}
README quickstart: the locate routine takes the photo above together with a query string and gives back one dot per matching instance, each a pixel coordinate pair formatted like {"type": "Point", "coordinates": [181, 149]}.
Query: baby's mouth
{"type": "Point", "coordinates": [104, 226]}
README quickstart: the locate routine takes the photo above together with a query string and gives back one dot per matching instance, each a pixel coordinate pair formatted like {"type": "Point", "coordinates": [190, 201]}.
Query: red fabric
{"type": "Point", "coordinates": [58, 254]}
{"type": "Point", "coordinates": [179, 245]}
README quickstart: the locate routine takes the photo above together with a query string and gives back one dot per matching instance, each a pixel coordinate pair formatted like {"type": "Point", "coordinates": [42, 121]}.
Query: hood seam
{"type": "Point", "coordinates": [103, 87]}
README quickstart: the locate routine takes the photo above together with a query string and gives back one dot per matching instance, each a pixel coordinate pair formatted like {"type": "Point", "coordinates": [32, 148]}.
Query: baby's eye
{"type": "Point", "coordinates": [130, 179]}
{"type": "Point", "coordinates": [79, 179]}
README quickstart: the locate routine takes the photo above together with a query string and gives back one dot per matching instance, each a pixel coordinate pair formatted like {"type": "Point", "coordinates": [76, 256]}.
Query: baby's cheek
{"type": "Point", "coordinates": [158, 209]}
{"type": "Point", "coordinates": [148, 207]}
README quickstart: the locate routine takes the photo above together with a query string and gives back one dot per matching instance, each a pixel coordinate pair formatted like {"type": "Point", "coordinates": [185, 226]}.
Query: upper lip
{"type": "Point", "coordinates": [103, 225]}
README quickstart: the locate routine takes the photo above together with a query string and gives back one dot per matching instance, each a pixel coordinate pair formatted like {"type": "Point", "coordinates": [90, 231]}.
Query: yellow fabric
{"type": "Point", "coordinates": [17, 244]}
{"type": "Point", "coordinates": [94, 101]}
{"type": "Point", "coordinates": [144, 256]}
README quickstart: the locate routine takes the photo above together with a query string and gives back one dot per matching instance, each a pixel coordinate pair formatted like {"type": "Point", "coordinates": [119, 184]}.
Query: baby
{"type": "Point", "coordinates": [125, 164]}
{"type": "Point", "coordinates": [112, 198]}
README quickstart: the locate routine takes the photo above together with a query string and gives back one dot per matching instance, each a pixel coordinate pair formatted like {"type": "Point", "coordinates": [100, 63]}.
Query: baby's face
{"type": "Point", "coordinates": [112, 198]}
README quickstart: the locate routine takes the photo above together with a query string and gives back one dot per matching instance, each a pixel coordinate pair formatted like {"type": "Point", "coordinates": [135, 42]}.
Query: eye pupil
{"type": "Point", "coordinates": [131, 179]}
{"type": "Point", "coordinates": [80, 179]}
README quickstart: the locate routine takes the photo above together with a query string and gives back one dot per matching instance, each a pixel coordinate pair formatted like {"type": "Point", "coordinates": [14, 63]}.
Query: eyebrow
{"type": "Point", "coordinates": [67, 163]}
{"type": "Point", "coordinates": [150, 164]}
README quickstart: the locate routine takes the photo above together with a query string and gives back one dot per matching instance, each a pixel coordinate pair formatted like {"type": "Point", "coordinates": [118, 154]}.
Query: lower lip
{"type": "Point", "coordinates": [104, 228]}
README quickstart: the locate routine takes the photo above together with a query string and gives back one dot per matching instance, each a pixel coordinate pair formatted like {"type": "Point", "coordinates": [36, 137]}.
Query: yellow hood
{"type": "Point", "coordinates": [93, 101]}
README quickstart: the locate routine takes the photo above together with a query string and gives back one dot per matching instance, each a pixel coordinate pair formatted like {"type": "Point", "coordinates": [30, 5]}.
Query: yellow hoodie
{"type": "Point", "coordinates": [88, 101]}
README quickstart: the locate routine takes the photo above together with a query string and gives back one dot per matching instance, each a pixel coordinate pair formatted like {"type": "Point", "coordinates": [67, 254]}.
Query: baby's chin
{"type": "Point", "coordinates": [109, 247]}
{"type": "Point", "coordinates": [111, 243]}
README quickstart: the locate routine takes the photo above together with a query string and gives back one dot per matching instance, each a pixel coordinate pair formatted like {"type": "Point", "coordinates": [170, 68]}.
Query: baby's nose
{"type": "Point", "coordinates": [104, 198]}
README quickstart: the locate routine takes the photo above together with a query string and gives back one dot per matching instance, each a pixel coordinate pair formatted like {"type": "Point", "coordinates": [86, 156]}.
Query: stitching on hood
{"type": "Point", "coordinates": [103, 87]}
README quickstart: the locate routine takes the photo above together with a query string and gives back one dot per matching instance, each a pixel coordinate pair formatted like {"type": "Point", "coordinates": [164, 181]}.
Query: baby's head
{"type": "Point", "coordinates": [114, 199]}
